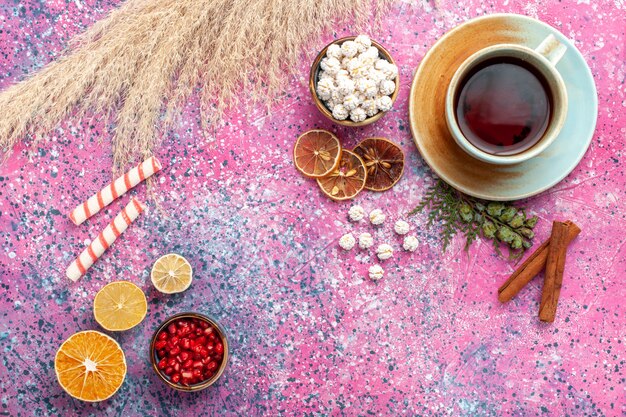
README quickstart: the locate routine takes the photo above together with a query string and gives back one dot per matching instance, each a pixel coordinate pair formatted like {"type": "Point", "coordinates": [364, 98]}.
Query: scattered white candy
{"type": "Point", "coordinates": [384, 103]}
{"type": "Point", "coordinates": [384, 251]}
{"type": "Point", "coordinates": [376, 272]}
{"type": "Point", "coordinates": [387, 87]}
{"type": "Point", "coordinates": [366, 240]}
{"type": "Point", "coordinates": [410, 243]}
{"type": "Point", "coordinates": [345, 86]}
{"type": "Point", "coordinates": [363, 42]}
{"type": "Point", "coordinates": [334, 51]}
{"type": "Point", "coordinates": [325, 87]}
{"type": "Point", "coordinates": [349, 49]}
{"type": "Point", "coordinates": [347, 241]}
{"type": "Point", "coordinates": [351, 102]}
{"type": "Point", "coordinates": [356, 213]}
{"type": "Point", "coordinates": [377, 217]}
{"type": "Point", "coordinates": [340, 112]}
{"type": "Point", "coordinates": [401, 227]}
{"type": "Point", "coordinates": [358, 115]}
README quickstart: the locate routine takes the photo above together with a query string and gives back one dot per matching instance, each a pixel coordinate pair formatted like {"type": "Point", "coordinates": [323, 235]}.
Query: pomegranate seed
{"type": "Point", "coordinates": [198, 349]}
{"type": "Point", "coordinates": [182, 323]}
{"type": "Point", "coordinates": [185, 343]}
{"type": "Point", "coordinates": [212, 366]}
{"type": "Point", "coordinates": [204, 353]}
{"type": "Point", "coordinates": [204, 324]}
{"type": "Point", "coordinates": [217, 356]}
{"type": "Point", "coordinates": [162, 364]}
{"type": "Point", "coordinates": [186, 374]}
{"type": "Point", "coordinates": [171, 362]}
{"type": "Point", "coordinates": [206, 360]}
{"type": "Point", "coordinates": [162, 336]}
{"type": "Point", "coordinates": [160, 344]}
{"type": "Point", "coordinates": [171, 328]}
{"type": "Point", "coordinates": [184, 356]}
{"type": "Point", "coordinates": [198, 364]}
{"type": "Point", "coordinates": [176, 378]}
{"type": "Point", "coordinates": [199, 332]}
{"type": "Point", "coordinates": [192, 326]}
{"type": "Point", "coordinates": [201, 340]}
{"type": "Point", "coordinates": [192, 336]}
{"type": "Point", "coordinates": [169, 370]}
{"type": "Point", "coordinates": [219, 348]}
{"type": "Point", "coordinates": [208, 374]}
{"type": "Point", "coordinates": [183, 331]}
{"type": "Point", "coordinates": [212, 337]}
{"type": "Point", "coordinates": [174, 351]}
{"type": "Point", "coordinates": [177, 367]}
{"type": "Point", "coordinates": [162, 353]}
{"type": "Point", "coordinates": [210, 347]}
{"type": "Point", "coordinates": [197, 373]}
{"type": "Point", "coordinates": [188, 364]}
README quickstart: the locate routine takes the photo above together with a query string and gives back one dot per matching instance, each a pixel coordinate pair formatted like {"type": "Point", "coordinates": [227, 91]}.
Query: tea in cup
{"type": "Point", "coordinates": [507, 103]}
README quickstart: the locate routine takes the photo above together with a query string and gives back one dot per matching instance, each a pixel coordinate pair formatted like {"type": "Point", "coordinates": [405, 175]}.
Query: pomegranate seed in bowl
{"type": "Point", "coordinates": [189, 351]}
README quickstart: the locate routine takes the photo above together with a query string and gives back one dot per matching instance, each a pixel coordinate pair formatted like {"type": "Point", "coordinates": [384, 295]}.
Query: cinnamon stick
{"type": "Point", "coordinates": [555, 264]}
{"type": "Point", "coordinates": [534, 264]}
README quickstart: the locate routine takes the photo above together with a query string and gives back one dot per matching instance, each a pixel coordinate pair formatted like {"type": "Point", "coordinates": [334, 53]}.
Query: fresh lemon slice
{"type": "Point", "coordinates": [120, 306]}
{"type": "Point", "coordinates": [171, 273]}
{"type": "Point", "coordinates": [90, 366]}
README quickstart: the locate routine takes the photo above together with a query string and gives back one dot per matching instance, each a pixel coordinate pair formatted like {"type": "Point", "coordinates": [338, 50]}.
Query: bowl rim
{"type": "Point", "coordinates": [208, 382]}
{"type": "Point", "coordinates": [315, 67]}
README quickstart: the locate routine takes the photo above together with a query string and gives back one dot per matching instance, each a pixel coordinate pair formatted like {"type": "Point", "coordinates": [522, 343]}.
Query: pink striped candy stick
{"type": "Point", "coordinates": [116, 189]}
{"type": "Point", "coordinates": [105, 239]}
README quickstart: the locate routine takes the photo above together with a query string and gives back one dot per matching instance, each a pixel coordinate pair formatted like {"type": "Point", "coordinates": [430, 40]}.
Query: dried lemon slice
{"type": "Point", "coordinates": [347, 180]}
{"type": "Point", "coordinates": [384, 161]}
{"type": "Point", "coordinates": [171, 274]}
{"type": "Point", "coordinates": [316, 153]}
{"type": "Point", "coordinates": [120, 306]}
{"type": "Point", "coordinates": [90, 366]}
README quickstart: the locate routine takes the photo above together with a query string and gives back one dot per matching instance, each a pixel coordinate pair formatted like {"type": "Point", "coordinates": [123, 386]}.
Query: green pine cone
{"type": "Point", "coordinates": [505, 234]}
{"type": "Point", "coordinates": [489, 230]}
{"type": "Point", "coordinates": [516, 243]}
{"type": "Point", "coordinates": [508, 214]}
{"type": "Point", "coordinates": [465, 211]}
{"type": "Point", "coordinates": [531, 222]}
{"type": "Point", "coordinates": [495, 209]}
{"type": "Point", "coordinates": [526, 232]}
{"type": "Point", "coordinates": [518, 220]}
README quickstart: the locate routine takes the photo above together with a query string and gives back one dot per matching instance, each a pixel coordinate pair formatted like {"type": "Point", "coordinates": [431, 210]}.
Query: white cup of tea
{"type": "Point", "coordinates": [507, 103]}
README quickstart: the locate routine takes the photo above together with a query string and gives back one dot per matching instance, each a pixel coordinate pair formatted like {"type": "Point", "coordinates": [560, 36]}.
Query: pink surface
{"type": "Point", "coordinates": [310, 334]}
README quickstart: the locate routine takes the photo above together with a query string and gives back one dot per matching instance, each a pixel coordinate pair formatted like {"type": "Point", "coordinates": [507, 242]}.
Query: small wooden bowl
{"type": "Point", "coordinates": [313, 78]}
{"type": "Point", "coordinates": [205, 384]}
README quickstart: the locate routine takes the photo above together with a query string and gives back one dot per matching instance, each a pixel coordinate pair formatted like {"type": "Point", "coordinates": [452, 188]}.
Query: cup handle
{"type": "Point", "coordinates": [552, 49]}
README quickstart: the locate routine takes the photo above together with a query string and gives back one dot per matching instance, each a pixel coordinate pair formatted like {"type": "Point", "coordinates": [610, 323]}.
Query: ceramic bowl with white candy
{"type": "Point", "coordinates": [354, 81]}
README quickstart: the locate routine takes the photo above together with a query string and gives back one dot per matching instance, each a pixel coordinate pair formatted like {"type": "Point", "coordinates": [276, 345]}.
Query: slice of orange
{"type": "Point", "coordinates": [384, 161]}
{"type": "Point", "coordinates": [347, 180]}
{"type": "Point", "coordinates": [316, 153]}
{"type": "Point", "coordinates": [120, 306]}
{"type": "Point", "coordinates": [90, 366]}
{"type": "Point", "coordinates": [171, 274]}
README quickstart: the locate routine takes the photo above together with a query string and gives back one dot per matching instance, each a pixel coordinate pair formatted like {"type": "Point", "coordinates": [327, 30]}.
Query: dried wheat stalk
{"type": "Point", "coordinates": [147, 57]}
